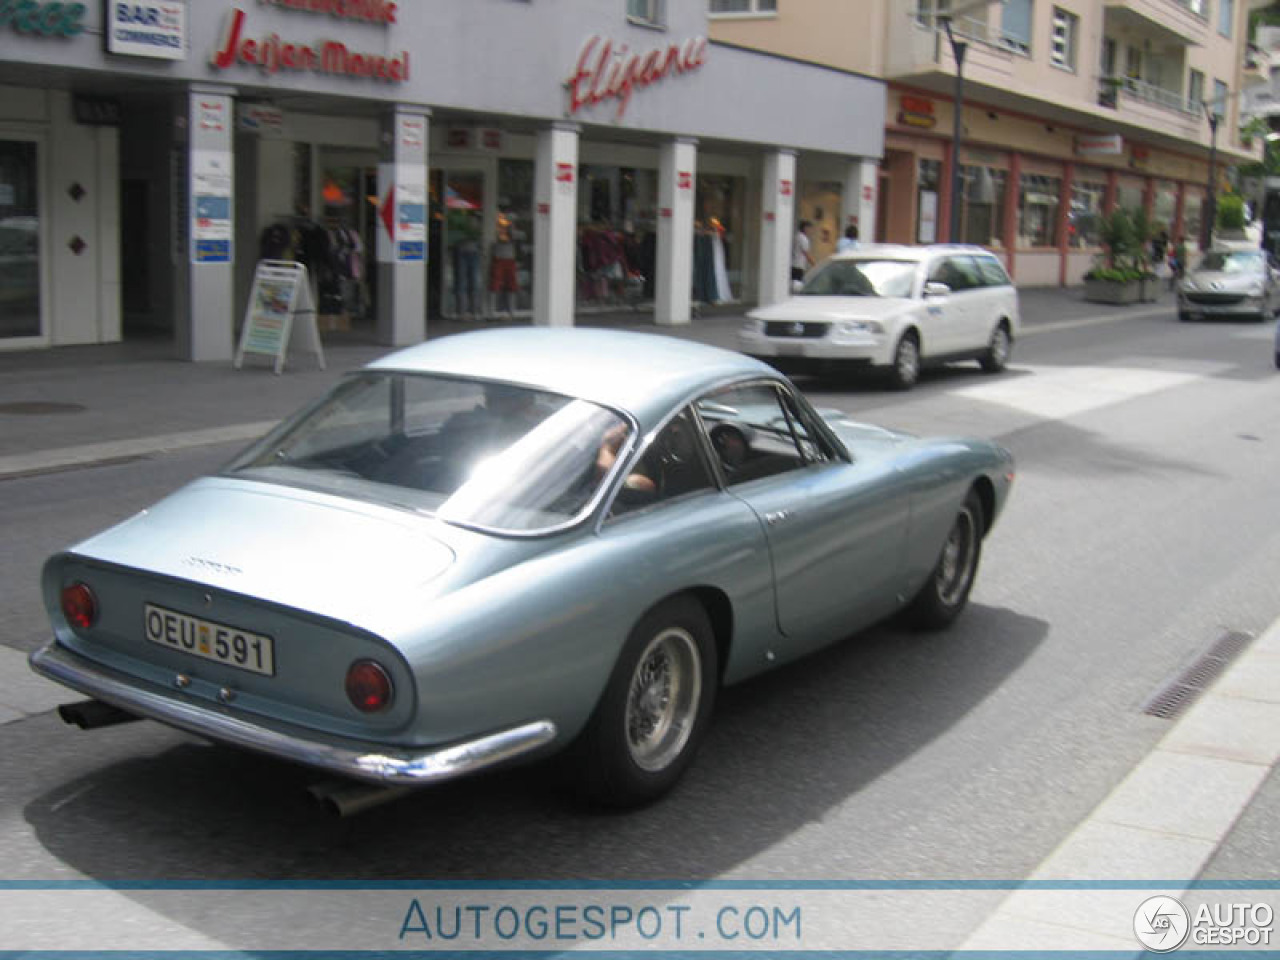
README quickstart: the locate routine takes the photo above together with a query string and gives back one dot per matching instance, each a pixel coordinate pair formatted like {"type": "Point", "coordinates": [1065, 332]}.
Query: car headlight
{"type": "Point", "coordinates": [848, 327]}
{"type": "Point", "coordinates": [752, 325]}
{"type": "Point", "coordinates": [1255, 290]}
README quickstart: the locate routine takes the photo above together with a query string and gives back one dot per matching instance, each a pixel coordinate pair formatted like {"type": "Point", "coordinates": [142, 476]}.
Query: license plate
{"type": "Point", "coordinates": [210, 641]}
{"type": "Point", "coordinates": [791, 349]}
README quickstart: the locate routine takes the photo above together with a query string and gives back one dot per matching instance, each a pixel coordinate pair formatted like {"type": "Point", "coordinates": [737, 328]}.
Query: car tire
{"type": "Point", "coordinates": [654, 710]}
{"type": "Point", "coordinates": [998, 349]}
{"type": "Point", "coordinates": [906, 362]}
{"type": "Point", "coordinates": [946, 591]}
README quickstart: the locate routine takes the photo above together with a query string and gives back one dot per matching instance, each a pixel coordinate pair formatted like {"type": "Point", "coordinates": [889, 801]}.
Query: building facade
{"type": "Point", "coordinates": [424, 160]}
{"type": "Point", "coordinates": [1069, 108]}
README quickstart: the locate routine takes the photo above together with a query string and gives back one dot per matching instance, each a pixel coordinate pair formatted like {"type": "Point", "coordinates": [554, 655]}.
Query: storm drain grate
{"type": "Point", "coordinates": [1178, 694]}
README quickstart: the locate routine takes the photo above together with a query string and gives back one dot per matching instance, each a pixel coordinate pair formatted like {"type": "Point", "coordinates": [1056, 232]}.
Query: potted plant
{"type": "Point", "coordinates": [1118, 271]}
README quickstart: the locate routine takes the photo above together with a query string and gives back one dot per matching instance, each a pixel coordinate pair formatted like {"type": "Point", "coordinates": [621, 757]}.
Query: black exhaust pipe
{"type": "Point", "coordinates": [345, 798]}
{"type": "Point", "coordinates": [92, 714]}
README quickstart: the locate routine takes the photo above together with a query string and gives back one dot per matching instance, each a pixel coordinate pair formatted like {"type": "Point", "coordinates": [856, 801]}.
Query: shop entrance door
{"type": "Point", "coordinates": [348, 205]}
{"type": "Point", "coordinates": [21, 300]}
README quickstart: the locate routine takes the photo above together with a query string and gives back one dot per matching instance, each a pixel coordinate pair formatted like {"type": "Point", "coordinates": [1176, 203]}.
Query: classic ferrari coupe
{"type": "Point", "coordinates": [503, 544]}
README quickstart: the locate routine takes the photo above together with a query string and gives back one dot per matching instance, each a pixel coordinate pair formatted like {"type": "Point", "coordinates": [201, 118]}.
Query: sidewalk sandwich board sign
{"type": "Point", "coordinates": [281, 314]}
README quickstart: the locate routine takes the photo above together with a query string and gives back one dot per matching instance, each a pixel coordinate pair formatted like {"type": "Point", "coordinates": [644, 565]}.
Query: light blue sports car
{"type": "Point", "coordinates": [508, 543]}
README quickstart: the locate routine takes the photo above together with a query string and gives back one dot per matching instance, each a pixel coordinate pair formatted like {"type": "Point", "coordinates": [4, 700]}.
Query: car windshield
{"type": "Point", "coordinates": [861, 278]}
{"type": "Point", "coordinates": [1232, 261]}
{"type": "Point", "coordinates": [476, 453]}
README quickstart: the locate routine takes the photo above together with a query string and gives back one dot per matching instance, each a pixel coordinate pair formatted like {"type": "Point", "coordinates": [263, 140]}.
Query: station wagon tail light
{"type": "Point", "coordinates": [79, 605]}
{"type": "Point", "coordinates": [369, 686]}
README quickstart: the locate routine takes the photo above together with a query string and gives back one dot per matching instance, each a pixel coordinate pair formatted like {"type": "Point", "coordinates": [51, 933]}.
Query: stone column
{"type": "Point", "coordinates": [402, 227]}
{"type": "Point", "coordinates": [777, 229]}
{"type": "Point", "coordinates": [555, 232]}
{"type": "Point", "coordinates": [858, 202]}
{"type": "Point", "coordinates": [677, 169]}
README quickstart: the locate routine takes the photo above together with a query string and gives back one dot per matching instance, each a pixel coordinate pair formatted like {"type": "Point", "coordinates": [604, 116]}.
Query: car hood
{"type": "Point", "coordinates": [309, 551]}
{"type": "Point", "coordinates": [830, 309]}
{"type": "Point", "coordinates": [1205, 280]}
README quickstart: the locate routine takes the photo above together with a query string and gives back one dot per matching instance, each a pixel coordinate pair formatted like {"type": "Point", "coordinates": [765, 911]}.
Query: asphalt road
{"type": "Point", "coordinates": [1140, 530]}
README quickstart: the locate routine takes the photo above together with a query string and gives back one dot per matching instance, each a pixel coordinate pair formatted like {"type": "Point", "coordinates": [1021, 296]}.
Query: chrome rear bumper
{"type": "Point", "coordinates": [407, 768]}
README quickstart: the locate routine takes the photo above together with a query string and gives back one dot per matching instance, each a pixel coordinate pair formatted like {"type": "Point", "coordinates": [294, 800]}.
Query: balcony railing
{"type": "Point", "coordinates": [976, 31]}
{"type": "Point", "coordinates": [1110, 88]}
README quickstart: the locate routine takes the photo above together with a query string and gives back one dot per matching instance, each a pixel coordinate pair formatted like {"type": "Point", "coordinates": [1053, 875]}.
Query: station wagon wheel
{"type": "Point", "coordinates": [946, 591]}
{"type": "Point", "coordinates": [998, 349]}
{"type": "Point", "coordinates": [654, 710]}
{"type": "Point", "coordinates": [906, 361]}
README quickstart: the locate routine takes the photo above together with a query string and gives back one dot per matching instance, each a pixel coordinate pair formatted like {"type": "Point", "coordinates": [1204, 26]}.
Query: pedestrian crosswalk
{"type": "Point", "coordinates": [1063, 392]}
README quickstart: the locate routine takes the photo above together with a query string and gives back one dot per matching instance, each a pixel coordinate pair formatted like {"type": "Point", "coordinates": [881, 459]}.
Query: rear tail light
{"type": "Point", "coordinates": [369, 686]}
{"type": "Point", "coordinates": [79, 605]}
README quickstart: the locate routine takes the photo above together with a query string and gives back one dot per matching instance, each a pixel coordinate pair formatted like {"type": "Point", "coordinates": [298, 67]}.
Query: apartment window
{"type": "Point", "coordinates": [1195, 90]}
{"type": "Point", "coordinates": [1219, 105]}
{"type": "Point", "coordinates": [930, 13]}
{"type": "Point", "coordinates": [1015, 25]}
{"type": "Point", "coordinates": [744, 6]}
{"type": "Point", "coordinates": [651, 12]}
{"type": "Point", "coordinates": [1062, 50]}
{"type": "Point", "coordinates": [1226, 13]}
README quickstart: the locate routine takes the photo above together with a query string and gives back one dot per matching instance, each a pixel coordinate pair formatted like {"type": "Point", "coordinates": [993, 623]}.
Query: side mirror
{"type": "Point", "coordinates": [935, 289]}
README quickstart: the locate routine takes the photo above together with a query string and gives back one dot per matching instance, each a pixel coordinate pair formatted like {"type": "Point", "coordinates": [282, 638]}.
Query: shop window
{"type": "Point", "coordinates": [982, 198]}
{"type": "Point", "coordinates": [652, 13]}
{"type": "Point", "coordinates": [1129, 196]}
{"type": "Point", "coordinates": [743, 6]}
{"type": "Point", "coordinates": [1192, 208]}
{"type": "Point", "coordinates": [1087, 198]}
{"type": "Point", "coordinates": [514, 227]}
{"type": "Point", "coordinates": [719, 245]}
{"type": "Point", "coordinates": [1038, 210]}
{"type": "Point", "coordinates": [1062, 49]}
{"type": "Point", "coordinates": [1164, 207]}
{"type": "Point", "coordinates": [19, 240]}
{"type": "Point", "coordinates": [617, 235]}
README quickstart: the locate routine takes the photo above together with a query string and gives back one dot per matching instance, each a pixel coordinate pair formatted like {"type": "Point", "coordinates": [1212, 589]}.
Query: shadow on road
{"type": "Point", "coordinates": [784, 750]}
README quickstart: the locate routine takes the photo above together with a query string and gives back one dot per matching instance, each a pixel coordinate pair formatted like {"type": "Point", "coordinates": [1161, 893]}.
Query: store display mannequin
{"type": "Point", "coordinates": [503, 281]}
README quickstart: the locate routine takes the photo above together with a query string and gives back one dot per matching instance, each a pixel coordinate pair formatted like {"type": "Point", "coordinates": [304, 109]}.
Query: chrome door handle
{"type": "Point", "coordinates": [776, 517]}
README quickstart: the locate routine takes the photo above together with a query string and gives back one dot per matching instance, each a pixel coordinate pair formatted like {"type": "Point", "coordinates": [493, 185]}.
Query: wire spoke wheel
{"type": "Point", "coordinates": [662, 699]}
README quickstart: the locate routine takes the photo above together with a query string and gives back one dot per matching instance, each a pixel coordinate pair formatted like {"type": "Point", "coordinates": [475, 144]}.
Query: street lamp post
{"type": "Point", "coordinates": [958, 48]}
{"type": "Point", "coordinates": [1211, 199]}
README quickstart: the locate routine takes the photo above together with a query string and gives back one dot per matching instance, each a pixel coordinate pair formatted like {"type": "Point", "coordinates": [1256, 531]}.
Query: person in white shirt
{"type": "Point", "coordinates": [849, 241]}
{"type": "Point", "coordinates": [801, 258]}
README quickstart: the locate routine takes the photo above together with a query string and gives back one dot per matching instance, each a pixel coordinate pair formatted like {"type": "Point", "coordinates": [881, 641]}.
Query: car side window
{"type": "Point", "coordinates": [673, 465]}
{"type": "Point", "coordinates": [993, 273]}
{"type": "Point", "coordinates": [956, 272]}
{"type": "Point", "coordinates": [752, 433]}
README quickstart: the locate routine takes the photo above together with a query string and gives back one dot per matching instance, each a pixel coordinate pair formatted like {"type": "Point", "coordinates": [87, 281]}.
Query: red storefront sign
{"type": "Point", "coordinates": [684, 180]}
{"type": "Point", "coordinates": [273, 54]}
{"type": "Point", "coordinates": [606, 72]}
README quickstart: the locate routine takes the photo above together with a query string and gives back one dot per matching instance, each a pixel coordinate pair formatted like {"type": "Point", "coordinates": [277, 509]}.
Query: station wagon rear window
{"type": "Point", "coordinates": [472, 452]}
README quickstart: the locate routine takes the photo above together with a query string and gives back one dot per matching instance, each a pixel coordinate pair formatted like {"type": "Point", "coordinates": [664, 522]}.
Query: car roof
{"type": "Point", "coordinates": [902, 251]}
{"type": "Point", "coordinates": [644, 374]}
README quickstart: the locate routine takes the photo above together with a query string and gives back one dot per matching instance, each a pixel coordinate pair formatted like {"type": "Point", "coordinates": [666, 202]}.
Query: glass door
{"type": "Point", "coordinates": [20, 294]}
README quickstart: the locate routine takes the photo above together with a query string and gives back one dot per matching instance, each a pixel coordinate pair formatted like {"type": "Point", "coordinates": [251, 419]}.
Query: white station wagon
{"type": "Point", "coordinates": [894, 307]}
